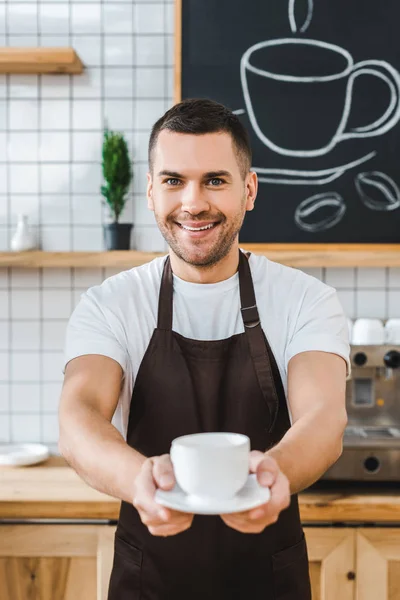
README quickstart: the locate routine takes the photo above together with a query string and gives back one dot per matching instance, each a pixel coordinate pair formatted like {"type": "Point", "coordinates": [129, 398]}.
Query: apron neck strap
{"type": "Point", "coordinates": [247, 297]}
{"type": "Point", "coordinates": [165, 298]}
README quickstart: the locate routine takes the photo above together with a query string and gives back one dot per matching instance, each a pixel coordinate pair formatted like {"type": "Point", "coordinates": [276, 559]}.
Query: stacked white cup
{"type": "Point", "coordinates": [392, 331]}
{"type": "Point", "coordinates": [367, 332]}
{"type": "Point", "coordinates": [350, 328]}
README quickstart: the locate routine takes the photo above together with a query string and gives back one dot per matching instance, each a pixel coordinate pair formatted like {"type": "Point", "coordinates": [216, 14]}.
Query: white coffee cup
{"type": "Point", "coordinates": [213, 466]}
{"type": "Point", "coordinates": [368, 332]}
{"type": "Point", "coordinates": [392, 331]}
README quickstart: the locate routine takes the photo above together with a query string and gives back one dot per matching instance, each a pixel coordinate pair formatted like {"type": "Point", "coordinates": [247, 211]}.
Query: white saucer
{"type": "Point", "coordinates": [250, 496]}
{"type": "Point", "coordinates": [22, 455]}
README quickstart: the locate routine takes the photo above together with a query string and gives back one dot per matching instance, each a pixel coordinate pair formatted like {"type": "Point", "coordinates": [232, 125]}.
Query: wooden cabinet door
{"type": "Point", "coordinates": [55, 562]}
{"type": "Point", "coordinates": [378, 564]}
{"type": "Point", "coordinates": [332, 562]}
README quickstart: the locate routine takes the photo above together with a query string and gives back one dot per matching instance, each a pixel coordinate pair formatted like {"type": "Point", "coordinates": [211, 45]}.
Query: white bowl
{"type": "Point", "coordinates": [22, 455]}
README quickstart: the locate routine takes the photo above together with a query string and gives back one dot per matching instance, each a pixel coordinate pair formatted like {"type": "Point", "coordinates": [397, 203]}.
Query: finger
{"type": "Point", "coordinates": [280, 492]}
{"type": "Point", "coordinates": [280, 499]}
{"type": "Point", "coordinates": [173, 518]}
{"type": "Point", "coordinates": [244, 526]}
{"type": "Point", "coordinates": [160, 532]}
{"type": "Point", "coordinates": [163, 472]}
{"type": "Point", "coordinates": [267, 471]}
{"type": "Point", "coordinates": [170, 529]}
{"type": "Point", "coordinates": [146, 489]}
{"type": "Point", "coordinates": [251, 516]}
{"type": "Point", "coordinates": [174, 515]}
{"type": "Point", "coordinates": [254, 459]}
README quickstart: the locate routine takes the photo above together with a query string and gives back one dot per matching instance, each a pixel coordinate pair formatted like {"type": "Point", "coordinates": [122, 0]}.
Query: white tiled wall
{"type": "Point", "coordinates": [50, 169]}
{"type": "Point", "coordinates": [35, 305]}
{"type": "Point", "coordinates": [51, 125]}
{"type": "Point", "coordinates": [365, 292]}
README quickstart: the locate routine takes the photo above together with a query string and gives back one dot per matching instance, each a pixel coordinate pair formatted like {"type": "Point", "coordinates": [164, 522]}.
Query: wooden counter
{"type": "Point", "coordinates": [54, 490]}
{"type": "Point", "coordinates": [294, 255]}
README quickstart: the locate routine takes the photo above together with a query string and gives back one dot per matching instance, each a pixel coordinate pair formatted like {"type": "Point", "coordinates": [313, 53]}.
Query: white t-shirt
{"type": "Point", "coordinates": [117, 318]}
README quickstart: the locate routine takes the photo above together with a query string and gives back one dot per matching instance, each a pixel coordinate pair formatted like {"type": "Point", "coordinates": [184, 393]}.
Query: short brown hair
{"type": "Point", "coordinates": [199, 116]}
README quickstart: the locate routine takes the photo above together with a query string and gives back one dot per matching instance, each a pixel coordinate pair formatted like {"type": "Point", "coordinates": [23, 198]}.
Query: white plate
{"type": "Point", "coordinates": [21, 455]}
{"type": "Point", "coordinates": [250, 496]}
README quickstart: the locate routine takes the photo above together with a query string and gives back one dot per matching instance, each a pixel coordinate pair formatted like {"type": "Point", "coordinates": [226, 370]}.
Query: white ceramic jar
{"type": "Point", "coordinates": [23, 238]}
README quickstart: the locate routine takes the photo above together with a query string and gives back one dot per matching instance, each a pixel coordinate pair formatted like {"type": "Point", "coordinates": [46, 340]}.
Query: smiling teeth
{"type": "Point", "coordinates": [198, 228]}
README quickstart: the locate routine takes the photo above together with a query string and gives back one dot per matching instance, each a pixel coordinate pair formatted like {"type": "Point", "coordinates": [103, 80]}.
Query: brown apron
{"type": "Point", "coordinates": [188, 386]}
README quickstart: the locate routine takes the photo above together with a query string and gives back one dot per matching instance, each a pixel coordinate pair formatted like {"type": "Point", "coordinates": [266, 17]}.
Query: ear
{"type": "Point", "coordinates": [149, 193]}
{"type": "Point", "coordinates": [251, 189]}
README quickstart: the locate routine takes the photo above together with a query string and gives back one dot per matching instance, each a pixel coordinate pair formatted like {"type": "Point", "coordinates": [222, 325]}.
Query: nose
{"type": "Point", "coordinates": [194, 200]}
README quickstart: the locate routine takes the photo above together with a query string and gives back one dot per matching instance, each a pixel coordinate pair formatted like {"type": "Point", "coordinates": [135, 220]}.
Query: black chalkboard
{"type": "Point", "coordinates": [317, 84]}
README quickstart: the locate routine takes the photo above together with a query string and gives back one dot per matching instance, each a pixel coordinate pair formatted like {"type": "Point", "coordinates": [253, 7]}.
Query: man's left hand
{"type": "Point", "coordinates": [268, 475]}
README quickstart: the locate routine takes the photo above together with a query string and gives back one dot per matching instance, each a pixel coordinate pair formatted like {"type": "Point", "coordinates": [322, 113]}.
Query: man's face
{"type": "Point", "coordinates": [196, 183]}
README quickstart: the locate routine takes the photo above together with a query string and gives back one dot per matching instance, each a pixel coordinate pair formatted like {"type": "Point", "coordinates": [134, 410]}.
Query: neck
{"type": "Point", "coordinates": [222, 270]}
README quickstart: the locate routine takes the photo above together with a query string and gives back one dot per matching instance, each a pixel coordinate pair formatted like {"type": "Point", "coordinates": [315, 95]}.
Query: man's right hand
{"type": "Point", "coordinates": [157, 472]}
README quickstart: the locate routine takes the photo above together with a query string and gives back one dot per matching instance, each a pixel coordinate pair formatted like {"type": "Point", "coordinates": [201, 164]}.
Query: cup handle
{"type": "Point", "coordinates": [392, 114]}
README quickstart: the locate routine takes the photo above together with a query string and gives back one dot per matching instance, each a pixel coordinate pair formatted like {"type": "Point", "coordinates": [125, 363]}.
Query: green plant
{"type": "Point", "coordinates": [117, 171]}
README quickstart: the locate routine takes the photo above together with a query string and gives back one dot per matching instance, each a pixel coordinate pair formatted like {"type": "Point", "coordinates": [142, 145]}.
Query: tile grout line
{"type": "Point", "coordinates": [104, 124]}
{"type": "Point", "coordinates": [8, 188]}
{"type": "Point", "coordinates": [71, 153]}
{"type": "Point", "coordinates": [134, 75]}
{"type": "Point", "coordinates": [70, 140]}
{"type": "Point", "coordinates": [387, 292]}
{"type": "Point", "coordinates": [40, 211]}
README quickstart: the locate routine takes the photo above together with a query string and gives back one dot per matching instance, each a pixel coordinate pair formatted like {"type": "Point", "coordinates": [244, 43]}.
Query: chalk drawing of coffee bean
{"type": "Point", "coordinates": [377, 190]}
{"type": "Point", "coordinates": [320, 212]}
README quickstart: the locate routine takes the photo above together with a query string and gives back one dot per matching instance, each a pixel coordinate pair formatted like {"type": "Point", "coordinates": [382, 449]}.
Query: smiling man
{"type": "Point", "coordinates": [208, 338]}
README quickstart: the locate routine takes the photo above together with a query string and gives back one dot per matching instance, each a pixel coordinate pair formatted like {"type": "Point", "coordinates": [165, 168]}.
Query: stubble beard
{"type": "Point", "coordinates": [202, 253]}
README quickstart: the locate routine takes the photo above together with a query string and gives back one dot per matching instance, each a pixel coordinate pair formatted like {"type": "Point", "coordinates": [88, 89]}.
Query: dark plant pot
{"type": "Point", "coordinates": [117, 236]}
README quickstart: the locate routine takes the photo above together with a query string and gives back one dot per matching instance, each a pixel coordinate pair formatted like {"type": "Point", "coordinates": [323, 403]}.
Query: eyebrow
{"type": "Point", "coordinates": [209, 175]}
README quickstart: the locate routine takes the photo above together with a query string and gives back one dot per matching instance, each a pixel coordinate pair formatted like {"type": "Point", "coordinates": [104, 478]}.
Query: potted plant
{"type": "Point", "coordinates": [117, 172]}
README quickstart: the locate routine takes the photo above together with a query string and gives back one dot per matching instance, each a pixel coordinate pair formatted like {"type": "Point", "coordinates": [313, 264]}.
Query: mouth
{"type": "Point", "coordinates": [198, 231]}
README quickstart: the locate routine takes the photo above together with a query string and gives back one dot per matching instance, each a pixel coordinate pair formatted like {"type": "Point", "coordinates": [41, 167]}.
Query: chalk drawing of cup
{"type": "Point", "coordinates": [298, 95]}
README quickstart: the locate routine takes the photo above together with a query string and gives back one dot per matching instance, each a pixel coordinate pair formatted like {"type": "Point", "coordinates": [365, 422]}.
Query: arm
{"type": "Point", "coordinates": [98, 453]}
{"type": "Point", "coordinates": [316, 390]}
{"type": "Point", "coordinates": [317, 339]}
{"type": "Point", "coordinates": [316, 396]}
{"type": "Point", "coordinates": [89, 442]}
{"type": "Point", "coordinates": [96, 363]}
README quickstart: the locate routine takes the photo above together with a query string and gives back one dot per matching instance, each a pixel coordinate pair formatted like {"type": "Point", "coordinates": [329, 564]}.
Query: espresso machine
{"type": "Point", "coordinates": [371, 443]}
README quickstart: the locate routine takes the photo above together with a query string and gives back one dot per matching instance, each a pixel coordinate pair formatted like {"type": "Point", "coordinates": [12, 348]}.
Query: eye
{"type": "Point", "coordinates": [216, 179]}
{"type": "Point", "coordinates": [173, 180]}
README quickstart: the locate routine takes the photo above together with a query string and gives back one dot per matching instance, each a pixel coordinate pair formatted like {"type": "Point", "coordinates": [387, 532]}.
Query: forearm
{"type": "Point", "coordinates": [309, 448]}
{"type": "Point", "coordinates": [98, 453]}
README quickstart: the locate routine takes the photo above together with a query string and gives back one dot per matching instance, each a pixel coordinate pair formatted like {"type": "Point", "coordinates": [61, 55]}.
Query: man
{"type": "Point", "coordinates": [206, 339]}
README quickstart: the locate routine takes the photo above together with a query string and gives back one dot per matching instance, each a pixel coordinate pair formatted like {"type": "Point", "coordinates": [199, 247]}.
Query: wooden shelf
{"type": "Point", "coordinates": [39, 60]}
{"type": "Point", "coordinates": [117, 258]}
{"type": "Point", "coordinates": [295, 255]}
{"type": "Point", "coordinates": [330, 255]}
